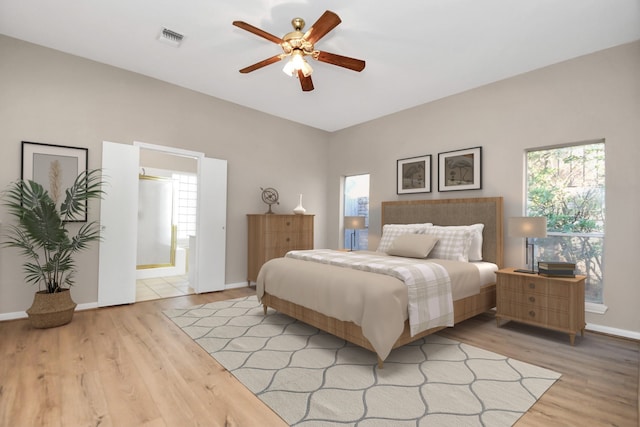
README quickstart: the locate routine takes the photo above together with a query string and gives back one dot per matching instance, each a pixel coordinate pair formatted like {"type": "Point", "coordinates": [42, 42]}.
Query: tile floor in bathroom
{"type": "Point", "coordinates": [162, 287]}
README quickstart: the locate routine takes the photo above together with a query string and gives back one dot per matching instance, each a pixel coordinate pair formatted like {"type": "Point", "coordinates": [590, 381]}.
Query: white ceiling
{"type": "Point", "coordinates": [416, 51]}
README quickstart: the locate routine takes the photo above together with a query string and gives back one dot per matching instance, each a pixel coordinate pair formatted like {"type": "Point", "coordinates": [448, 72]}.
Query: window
{"type": "Point", "coordinates": [567, 186]}
{"type": "Point", "coordinates": [187, 191]}
{"type": "Point", "coordinates": [356, 203]}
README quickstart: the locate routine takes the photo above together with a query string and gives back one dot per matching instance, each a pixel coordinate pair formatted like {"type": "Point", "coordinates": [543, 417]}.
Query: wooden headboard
{"type": "Point", "coordinates": [481, 210]}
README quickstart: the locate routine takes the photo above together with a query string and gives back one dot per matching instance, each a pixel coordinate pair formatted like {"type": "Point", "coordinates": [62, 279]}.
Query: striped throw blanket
{"type": "Point", "coordinates": [428, 283]}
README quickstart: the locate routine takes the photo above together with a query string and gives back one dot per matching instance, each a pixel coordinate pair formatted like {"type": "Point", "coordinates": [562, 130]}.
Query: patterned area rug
{"type": "Point", "coordinates": [311, 378]}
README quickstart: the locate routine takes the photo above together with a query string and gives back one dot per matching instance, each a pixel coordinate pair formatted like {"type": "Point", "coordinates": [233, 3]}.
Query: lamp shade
{"type": "Point", "coordinates": [354, 222]}
{"type": "Point", "coordinates": [527, 226]}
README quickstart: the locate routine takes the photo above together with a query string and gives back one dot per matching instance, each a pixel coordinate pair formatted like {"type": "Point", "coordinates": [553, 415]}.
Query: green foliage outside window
{"type": "Point", "coordinates": [567, 186]}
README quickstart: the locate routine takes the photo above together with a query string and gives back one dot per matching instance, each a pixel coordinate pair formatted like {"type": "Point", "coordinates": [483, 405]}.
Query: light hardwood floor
{"type": "Point", "coordinates": [131, 366]}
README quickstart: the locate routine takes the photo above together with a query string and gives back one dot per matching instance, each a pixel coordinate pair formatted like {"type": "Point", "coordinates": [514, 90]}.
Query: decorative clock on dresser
{"type": "Point", "coordinates": [550, 302]}
{"type": "Point", "coordinates": [273, 235]}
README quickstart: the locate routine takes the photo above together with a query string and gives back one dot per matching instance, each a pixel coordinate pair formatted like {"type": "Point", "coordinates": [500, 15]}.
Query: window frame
{"type": "Point", "coordinates": [594, 307]}
{"type": "Point", "coordinates": [362, 240]}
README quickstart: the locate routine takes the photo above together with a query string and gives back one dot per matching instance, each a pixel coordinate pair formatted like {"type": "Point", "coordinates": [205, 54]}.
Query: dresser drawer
{"type": "Point", "coordinates": [540, 285]}
{"type": "Point", "coordinates": [537, 315]}
{"type": "Point", "coordinates": [282, 239]}
{"type": "Point", "coordinates": [284, 223]}
{"type": "Point", "coordinates": [533, 300]}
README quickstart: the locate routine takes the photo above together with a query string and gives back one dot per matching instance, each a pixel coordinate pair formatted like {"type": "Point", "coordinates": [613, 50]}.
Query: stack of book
{"type": "Point", "coordinates": [556, 269]}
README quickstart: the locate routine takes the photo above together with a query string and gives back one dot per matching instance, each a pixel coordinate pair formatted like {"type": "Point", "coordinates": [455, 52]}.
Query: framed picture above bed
{"type": "Point", "coordinates": [460, 170]}
{"type": "Point", "coordinates": [414, 175]}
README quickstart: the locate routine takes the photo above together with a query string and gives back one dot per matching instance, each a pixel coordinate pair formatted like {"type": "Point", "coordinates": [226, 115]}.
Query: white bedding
{"type": "Point", "coordinates": [487, 272]}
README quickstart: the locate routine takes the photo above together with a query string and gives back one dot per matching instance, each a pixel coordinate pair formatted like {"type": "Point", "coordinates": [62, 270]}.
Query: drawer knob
{"type": "Point", "coordinates": [532, 299]}
{"type": "Point", "coordinates": [288, 239]}
{"type": "Point", "coordinates": [288, 223]}
{"type": "Point", "coordinates": [532, 313]}
{"type": "Point", "coordinates": [532, 285]}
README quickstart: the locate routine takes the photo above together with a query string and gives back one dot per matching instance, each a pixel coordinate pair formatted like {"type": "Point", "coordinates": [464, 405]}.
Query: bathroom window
{"type": "Point", "coordinates": [186, 203]}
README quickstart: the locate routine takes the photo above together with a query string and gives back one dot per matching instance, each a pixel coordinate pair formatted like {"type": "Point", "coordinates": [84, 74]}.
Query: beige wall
{"type": "Point", "coordinates": [592, 97]}
{"type": "Point", "coordinates": [47, 96]}
{"type": "Point", "coordinates": [159, 160]}
{"type": "Point", "coordinates": [51, 97]}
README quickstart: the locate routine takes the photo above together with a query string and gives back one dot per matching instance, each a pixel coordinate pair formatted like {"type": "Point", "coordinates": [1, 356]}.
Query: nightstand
{"type": "Point", "coordinates": [550, 302]}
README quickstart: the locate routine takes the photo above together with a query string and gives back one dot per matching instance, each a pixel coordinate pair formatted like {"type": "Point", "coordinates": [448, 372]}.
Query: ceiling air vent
{"type": "Point", "coordinates": [170, 37]}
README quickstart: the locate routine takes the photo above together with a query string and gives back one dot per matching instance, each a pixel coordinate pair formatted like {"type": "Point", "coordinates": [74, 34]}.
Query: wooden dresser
{"type": "Point", "coordinates": [273, 235]}
{"type": "Point", "coordinates": [551, 302]}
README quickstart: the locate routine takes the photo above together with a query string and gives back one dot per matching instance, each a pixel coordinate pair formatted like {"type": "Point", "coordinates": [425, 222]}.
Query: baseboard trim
{"type": "Point", "coordinates": [92, 305]}
{"type": "Point", "coordinates": [13, 316]}
{"type": "Point", "coordinates": [23, 314]}
{"type": "Point", "coordinates": [607, 330]}
{"type": "Point", "coordinates": [87, 306]}
{"type": "Point", "coordinates": [235, 285]}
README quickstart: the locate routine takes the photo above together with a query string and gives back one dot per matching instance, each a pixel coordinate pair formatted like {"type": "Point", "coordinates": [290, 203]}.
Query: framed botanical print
{"type": "Point", "coordinates": [414, 175]}
{"type": "Point", "coordinates": [460, 170]}
{"type": "Point", "coordinates": [55, 167]}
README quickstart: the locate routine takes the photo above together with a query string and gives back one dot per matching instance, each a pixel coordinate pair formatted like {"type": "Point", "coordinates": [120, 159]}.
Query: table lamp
{"type": "Point", "coordinates": [527, 227]}
{"type": "Point", "coordinates": [353, 223]}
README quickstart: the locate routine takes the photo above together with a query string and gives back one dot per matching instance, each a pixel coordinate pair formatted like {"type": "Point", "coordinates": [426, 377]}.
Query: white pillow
{"type": "Point", "coordinates": [475, 250]}
{"type": "Point", "coordinates": [453, 244]}
{"type": "Point", "coordinates": [412, 245]}
{"type": "Point", "coordinates": [391, 231]}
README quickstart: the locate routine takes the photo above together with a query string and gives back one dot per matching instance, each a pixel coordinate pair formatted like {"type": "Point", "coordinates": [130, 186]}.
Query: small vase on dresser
{"type": "Point", "coordinates": [299, 210]}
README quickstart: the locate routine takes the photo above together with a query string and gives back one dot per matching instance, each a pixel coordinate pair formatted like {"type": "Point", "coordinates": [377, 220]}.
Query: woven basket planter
{"type": "Point", "coordinates": [51, 310]}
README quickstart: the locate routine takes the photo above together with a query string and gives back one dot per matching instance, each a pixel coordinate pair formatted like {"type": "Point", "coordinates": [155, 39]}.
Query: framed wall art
{"type": "Point", "coordinates": [55, 167]}
{"type": "Point", "coordinates": [460, 170]}
{"type": "Point", "coordinates": [414, 175]}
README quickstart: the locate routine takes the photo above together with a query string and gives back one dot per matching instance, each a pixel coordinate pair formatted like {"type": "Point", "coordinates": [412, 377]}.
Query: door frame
{"type": "Point", "coordinates": [201, 249]}
{"type": "Point", "coordinates": [199, 286]}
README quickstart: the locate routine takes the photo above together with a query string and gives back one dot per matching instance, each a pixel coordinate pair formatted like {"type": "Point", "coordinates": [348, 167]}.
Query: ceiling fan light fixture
{"type": "Point", "coordinates": [296, 45]}
{"type": "Point", "coordinates": [297, 59]}
{"type": "Point", "coordinates": [289, 69]}
{"type": "Point", "coordinates": [306, 68]}
{"type": "Point", "coordinates": [297, 63]}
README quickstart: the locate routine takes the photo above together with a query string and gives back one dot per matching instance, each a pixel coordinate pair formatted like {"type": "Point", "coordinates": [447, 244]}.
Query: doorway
{"type": "Point", "coordinates": [167, 217]}
{"type": "Point", "coordinates": [119, 213]}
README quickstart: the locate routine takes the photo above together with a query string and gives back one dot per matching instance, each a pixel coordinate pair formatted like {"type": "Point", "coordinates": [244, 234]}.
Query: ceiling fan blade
{"type": "Point", "coordinates": [261, 64]}
{"type": "Point", "coordinates": [305, 82]}
{"type": "Point", "coordinates": [341, 61]}
{"type": "Point", "coordinates": [327, 22]}
{"type": "Point", "coordinates": [257, 31]}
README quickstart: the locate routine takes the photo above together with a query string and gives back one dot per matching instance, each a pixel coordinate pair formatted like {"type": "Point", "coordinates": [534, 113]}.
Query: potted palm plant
{"type": "Point", "coordinates": [43, 237]}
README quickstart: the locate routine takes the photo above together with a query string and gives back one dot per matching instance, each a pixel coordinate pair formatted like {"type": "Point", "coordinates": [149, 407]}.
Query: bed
{"type": "Point", "coordinates": [282, 280]}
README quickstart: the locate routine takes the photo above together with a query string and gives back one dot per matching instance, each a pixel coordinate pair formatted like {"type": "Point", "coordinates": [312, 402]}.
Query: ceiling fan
{"type": "Point", "coordinates": [297, 45]}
